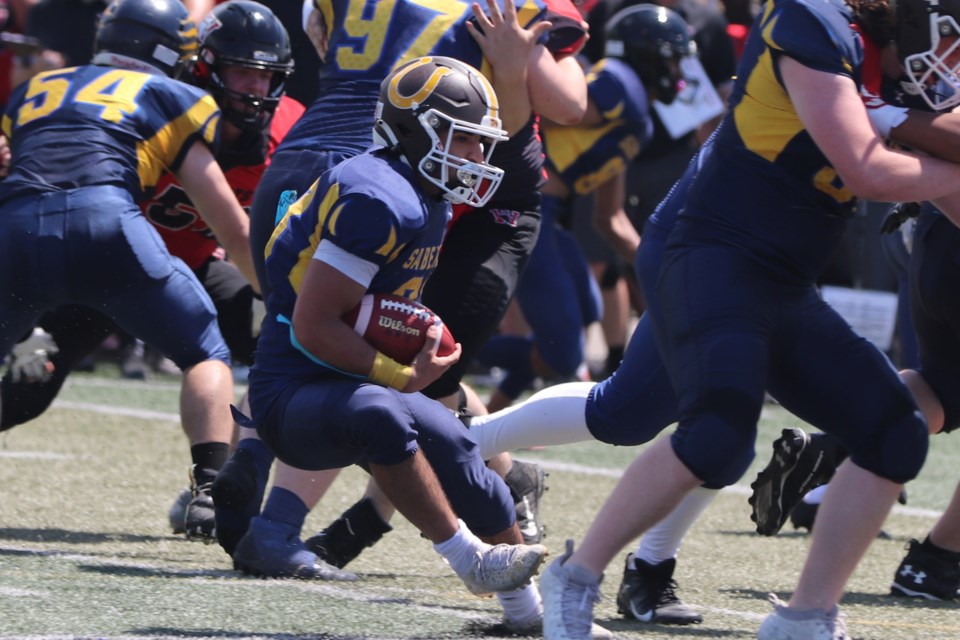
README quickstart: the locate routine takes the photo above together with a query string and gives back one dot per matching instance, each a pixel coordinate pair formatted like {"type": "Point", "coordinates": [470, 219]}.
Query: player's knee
{"type": "Point", "coordinates": [717, 446]}
{"type": "Point", "coordinates": [558, 360]}
{"type": "Point", "coordinates": [381, 425]}
{"type": "Point", "coordinates": [895, 451]}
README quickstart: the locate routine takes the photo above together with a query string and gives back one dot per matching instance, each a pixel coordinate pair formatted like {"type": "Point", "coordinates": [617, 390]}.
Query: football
{"type": "Point", "coordinates": [396, 326]}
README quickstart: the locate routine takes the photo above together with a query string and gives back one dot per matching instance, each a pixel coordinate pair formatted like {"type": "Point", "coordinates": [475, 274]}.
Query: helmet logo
{"type": "Point", "coordinates": [210, 24]}
{"type": "Point", "coordinates": [420, 95]}
{"type": "Point", "coordinates": [265, 56]}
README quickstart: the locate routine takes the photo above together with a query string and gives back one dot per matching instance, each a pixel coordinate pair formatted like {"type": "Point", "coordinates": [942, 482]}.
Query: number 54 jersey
{"type": "Point", "coordinates": [94, 125]}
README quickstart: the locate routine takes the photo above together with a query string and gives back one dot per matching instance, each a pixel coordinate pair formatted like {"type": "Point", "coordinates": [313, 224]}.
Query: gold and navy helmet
{"type": "Point", "coordinates": [652, 40]}
{"type": "Point", "coordinates": [921, 26]}
{"type": "Point", "coordinates": [153, 36]}
{"type": "Point", "coordinates": [243, 33]}
{"type": "Point", "coordinates": [423, 103]}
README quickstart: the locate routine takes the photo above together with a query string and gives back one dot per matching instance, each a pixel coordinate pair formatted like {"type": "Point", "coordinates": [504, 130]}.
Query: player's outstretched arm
{"type": "Point", "coordinates": [204, 182]}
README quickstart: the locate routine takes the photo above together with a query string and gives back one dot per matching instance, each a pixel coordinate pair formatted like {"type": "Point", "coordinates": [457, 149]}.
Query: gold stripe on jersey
{"type": "Point", "coordinates": [157, 153]}
{"type": "Point", "coordinates": [298, 208]}
{"type": "Point", "coordinates": [566, 144]}
{"type": "Point", "coordinates": [766, 119]}
{"type": "Point", "coordinates": [388, 248]}
{"type": "Point", "coordinates": [6, 124]}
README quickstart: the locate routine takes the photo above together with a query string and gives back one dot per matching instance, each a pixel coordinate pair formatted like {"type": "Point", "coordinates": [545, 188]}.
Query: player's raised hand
{"type": "Point", "coordinates": [505, 44]}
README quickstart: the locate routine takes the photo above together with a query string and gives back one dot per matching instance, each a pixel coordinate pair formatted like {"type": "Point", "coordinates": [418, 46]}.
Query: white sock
{"type": "Point", "coordinates": [460, 550]}
{"type": "Point", "coordinates": [554, 415]}
{"type": "Point", "coordinates": [522, 607]}
{"type": "Point", "coordinates": [662, 541]}
{"type": "Point", "coordinates": [815, 496]}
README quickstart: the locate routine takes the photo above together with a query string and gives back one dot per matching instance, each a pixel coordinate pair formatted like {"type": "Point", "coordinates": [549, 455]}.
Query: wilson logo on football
{"type": "Point", "coordinates": [397, 326]}
{"type": "Point", "coordinates": [393, 324]}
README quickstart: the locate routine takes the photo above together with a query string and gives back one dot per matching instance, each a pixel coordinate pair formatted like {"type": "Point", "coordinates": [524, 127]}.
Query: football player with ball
{"type": "Point", "coordinates": [322, 395]}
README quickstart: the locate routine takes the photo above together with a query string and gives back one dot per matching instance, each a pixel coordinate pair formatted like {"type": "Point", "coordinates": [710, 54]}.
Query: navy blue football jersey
{"type": "Point", "coordinates": [767, 186]}
{"type": "Point", "coordinates": [371, 207]}
{"type": "Point", "coordinates": [94, 125]}
{"type": "Point", "coordinates": [366, 42]}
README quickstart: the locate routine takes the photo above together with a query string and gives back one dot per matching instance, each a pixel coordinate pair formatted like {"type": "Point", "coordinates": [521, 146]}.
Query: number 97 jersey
{"type": "Point", "coordinates": [94, 125]}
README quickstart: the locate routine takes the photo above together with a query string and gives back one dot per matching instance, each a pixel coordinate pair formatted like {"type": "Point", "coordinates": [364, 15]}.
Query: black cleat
{"type": "Point", "coordinates": [526, 483]}
{"type": "Point", "coordinates": [795, 468]}
{"type": "Point", "coordinates": [648, 593]}
{"type": "Point", "coordinates": [927, 571]}
{"type": "Point", "coordinates": [199, 522]}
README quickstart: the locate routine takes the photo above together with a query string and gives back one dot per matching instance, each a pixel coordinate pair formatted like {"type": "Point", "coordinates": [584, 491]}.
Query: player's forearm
{"type": "Point", "coordinates": [513, 97]}
{"type": "Point", "coordinates": [937, 134]}
{"type": "Point", "coordinates": [205, 184]}
{"type": "Point", "coordinates": [558, 89]}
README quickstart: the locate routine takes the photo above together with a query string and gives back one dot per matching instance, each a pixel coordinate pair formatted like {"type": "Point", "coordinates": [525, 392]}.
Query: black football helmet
{"type": "Point", "coordinates": [153, 36]}
{"type": "Point", "coordinates": [423, 103]}
{"type": "Point", "coordinates": [920, 27]}
{"type": "Point", "coordinates": [652, 40]}
{"type": "Point", "coordinates": [243, 33]}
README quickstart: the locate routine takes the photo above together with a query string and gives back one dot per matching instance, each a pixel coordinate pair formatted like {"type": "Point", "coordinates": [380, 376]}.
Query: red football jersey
{"type": "Point", "coordinates": [185, 233]}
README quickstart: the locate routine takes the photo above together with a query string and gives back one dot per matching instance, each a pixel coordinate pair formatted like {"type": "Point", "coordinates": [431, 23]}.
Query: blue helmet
{"type": "Point", "coordinates": [153, 36]}
{"type": "Point", "coordinates": [652, 40]}
{"type": "Point", "coordinates": [247, 34]}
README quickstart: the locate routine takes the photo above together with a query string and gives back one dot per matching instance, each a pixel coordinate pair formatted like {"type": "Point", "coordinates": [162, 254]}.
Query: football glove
{"type": "Point", "coordinates": [899, 213]}
{"type": "Point", "coordinates": [30, 359]}
{"type": "Point", "coordinates": [883, 116]}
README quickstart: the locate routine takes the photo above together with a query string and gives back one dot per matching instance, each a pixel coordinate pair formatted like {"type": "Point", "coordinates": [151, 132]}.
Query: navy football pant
{"type": "Point", "coordinates": [93, 247]}
{"type": "Point", "coordinates": [334, 423]}
{"type": "Point", "coordinates": [728, 330]}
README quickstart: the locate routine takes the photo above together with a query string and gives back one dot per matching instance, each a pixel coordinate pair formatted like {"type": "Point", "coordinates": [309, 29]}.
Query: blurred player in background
{"type": "Point", "coordinates": [244, 58]}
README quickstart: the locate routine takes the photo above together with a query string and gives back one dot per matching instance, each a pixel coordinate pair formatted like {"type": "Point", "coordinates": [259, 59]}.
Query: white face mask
{"type": "Point", "coordinates": [931, 73]}
{"type": "Point", "coordinates": [461, 181]}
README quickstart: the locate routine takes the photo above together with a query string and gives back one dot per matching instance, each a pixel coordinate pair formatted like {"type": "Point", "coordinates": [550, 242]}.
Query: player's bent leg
{"type": "Point", "coordinates": [206, 394]}
{"type": "Point", "coordinates": [239, 487]}
{"type": "Point", "coordinates": [417, 493]}
{"type": "Point", "coordinates": [345, 538]}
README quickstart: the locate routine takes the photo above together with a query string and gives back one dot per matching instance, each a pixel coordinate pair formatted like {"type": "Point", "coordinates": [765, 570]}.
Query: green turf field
{"type": "Point", "coordinates": [85, 550]}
